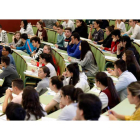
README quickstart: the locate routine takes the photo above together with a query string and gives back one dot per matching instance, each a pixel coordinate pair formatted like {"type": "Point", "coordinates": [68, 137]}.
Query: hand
{"type": "Point", "coordinates": [70, 43]}
{"type": "Point", "coordinates": [61, 105]}
{"type": "Point", "coordinates": [33, 70]}
{"type": "Point", "coordinates": [0, 66]}
{"type": "Point", "coordinates": [69, 59]}
{"type": "Point", "coordinates": [113, 113]}
{"type": "Point", "coordinates": [113, 73]}
{"type": "Point", "coordinates": [114, 39]}
{"type": "Point", "coordinates": [56, 45]}
{"type": "Point", "coordinates": [122, 33]}
{"type": "Point", "coordinates": [119, 46]}
{"type": "Point", "coordinates": [109, 70]}
{"type": "Point", "coordinates": [94, 42]}
{"type": "Point", "coordinates": [33, 62]}
{"type": "Point", "coordinates": [102, 48]}
{"type": "Point", "coordinates": [8, 93]}
{"type": "Point", "coordinates": [112, 117]}
{"type": "Point", "coordinates": [13, 47]}
{"type": "Point", "coordinates": [64, 74]}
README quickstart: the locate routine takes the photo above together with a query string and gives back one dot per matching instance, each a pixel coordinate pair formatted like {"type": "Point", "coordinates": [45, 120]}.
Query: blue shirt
{"type": "Point", "coordinates": [27, 46]}
{"type": "Point", "coordinates": [74, 51]}
{"type": "Point", "coordinates": [12, 61]}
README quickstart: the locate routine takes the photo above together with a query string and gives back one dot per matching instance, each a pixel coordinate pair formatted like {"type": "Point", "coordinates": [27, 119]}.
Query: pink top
{"type": "Point", "coordinates": [18, 98]}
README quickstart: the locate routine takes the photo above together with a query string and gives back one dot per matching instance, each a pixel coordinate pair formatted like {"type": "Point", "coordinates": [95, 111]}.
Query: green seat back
{"type": "Point", "coordinates": [34, 29]}
{"type": "Point", "coordinates": [111, 22]}
{"type": "Point", "coordinates": [10, 35]}
{"type": "Point", "coordinates": [51, 36]}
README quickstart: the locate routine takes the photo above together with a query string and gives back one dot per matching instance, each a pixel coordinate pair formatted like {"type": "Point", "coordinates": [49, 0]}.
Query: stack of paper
{"type": "Point", "coordinates": [31, 73]}
{"type": "Point", "coordinates": [103, 118]}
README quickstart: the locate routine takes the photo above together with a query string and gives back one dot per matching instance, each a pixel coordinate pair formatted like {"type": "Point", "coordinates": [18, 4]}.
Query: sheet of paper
{"type": "Point", "coordinates": [28, 57]}
{"type": "Point", "coordinates": [47, 119]}
{"type": "Point", "coordinates": [103, 118]}
{"type": "Point", "coordinates": [63, 53]}
{"type": "Point", "coordinates": [3, 118]}
{"type": "Point", "coordinates": [0, 108]}
{"type": "Point", "coordinates": [111, 58]}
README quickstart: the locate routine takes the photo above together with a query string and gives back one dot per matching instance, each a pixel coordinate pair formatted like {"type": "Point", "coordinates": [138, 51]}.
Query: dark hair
{"type": "Point", "coordinates": [17, 32]}
{"type": "Point", "coordinates": [72, 92]}
{"type": "Point", "coordinates": [55, 80]}
{"type": "Point", "coordinates": [84, 49]}
{"type": "Point", "coordinates": [76, 35]}
{"type": "Point", "coordinates": [46, 70]}
{"type": "Point", "coordinates": [36, 39]}
{"type": "Point", "coordinates": [48, 59]}
{"type": "Point", "coordinates": [8, 49]}
{"type": "Point", "coordinates": [30, 102]}
{"type": "Point", "coordinates": [0, 26]}
{"type": "Point", "coordinates": [41, 23]}
{"type": "Point", "coordinates": [73, 68]}
{"type": "Point", "coordinates": [60, 26]}
{"type": "Point", "coordinates": [15, 112]}
{"type": "Point", "coordinates": [18, 83]}
{"type": "Point", "coordinates": [83, 23]}
{"type": "Point", "coordinates": [5, 59]}
{"type": "Point", "coordinates": [116, 32]}
{"type": "Point", "coordinates": [121, 65]}
{"type": "Point", "coordinates": [107, 82]}
{"type": "Point", "coordinates": [110, 28]}
{"type": "Point", "coordinates": [49, 48]}
{"type": "Point", "coordinates": [68, 28]}
{"type": "Point", "coordinates": [99, 22]}
{"type": "Point", "coordinates": [24, 36]}
{"type": "Point", "coordinates": [25, 24]}
{"type": "Point", "coordinates": [91, 106]}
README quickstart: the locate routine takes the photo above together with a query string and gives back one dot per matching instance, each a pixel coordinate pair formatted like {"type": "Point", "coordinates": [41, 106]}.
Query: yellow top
{"type": "Point", "coordinates": [135, 116]}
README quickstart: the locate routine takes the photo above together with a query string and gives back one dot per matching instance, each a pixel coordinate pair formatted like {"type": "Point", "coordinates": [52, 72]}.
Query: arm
{"type": "Point", "coordinates": [21, 48]}
{"type": "Point", "coordinates": [38, 53]}
{"type": "Point", "coordinates": [129, 32]}
{"type": "Point", "coordinates": [69, 50]}
{"type": "Point", "coordinates": [90, 33]}
{"type": "Point", "coordinates": [76, 53]}
{"type": "Point", "coordinates": [50, 106]}
{"type": "Point", "coordinates": [114, 116]}
{"type": "Point", "coordinates": [136, 31]}
{"type": "Point", "coordinates": [4, 74]}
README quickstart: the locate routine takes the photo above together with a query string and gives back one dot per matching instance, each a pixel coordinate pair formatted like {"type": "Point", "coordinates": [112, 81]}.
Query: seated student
{"type": "Point", "coordinates": [125, 78]}
{"type": "Point", "coordinates": [36, 43]}
{"type": "Point", "coordinates": [88, 108]}
{"type": "Point", "coordinates": [98, 35]}
{"type": "Point", "coordinates": [41, 32]}
{"type": "Point", "coordinates": [108, 94]}
{"type": "Point", "coordinates": [119, 24]}
{"type": "Point", "coordinates": [46, 60]}
{"type": "Point", "coordinates": [116, 35]}
{"type": "Point", "coordinates": [73, 47]}
{"type": "Point", "coordinates": [44, 74]}
{"type": "Point", "coordinates": [87, 60]}
{"type": "Point", "coordinates": [31, 104]}
{"type": "Point", "coordinates": [55, 85]}
{"type": "Point", "coordinates": [67, 40]}
{"type": "Point", "coordinates": [104, 24]}
{"type": "Point", "coordinates": [69, 98]}
{"type": "Point", "coordinates": [27, 44]}
{"type": "Point", "coordinates": [107, 42]}
{"type": "Point", "coordinates": [75, 78]}
{"type": "Point", "coordinates": [8, 74]}
{"type": "Point", "coordinates": [7, 52]}
{"type": "Point", "coordinates": [135, 30]}
{"type": "Point", "coordinates": [60, 37]}
{"type": "Point", "coordinates": [17, 88]}
{"type": "Point", "coordinates": [81, 28]}
{"type": "Point", "coordinates": [126, 44]}
{"type": "Point", "coordinates": [16, 40]}
{"type": "Point", "coordinates": [68, 24]}
{"type": "Point", "coordinates": [133, 96]}
{"type": "Point", "coordinates": [26, 28]}
{"type": "Point", "coordinates": [15, 112]}
{"type": "Point", "coordinates": [3, 36]}
{"type": "Point", "coordinates": [49, 23]}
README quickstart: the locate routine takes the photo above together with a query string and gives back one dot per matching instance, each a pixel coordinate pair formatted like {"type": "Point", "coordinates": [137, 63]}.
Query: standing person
{"type": "Point", "coordinates": [133, 96]}
{"type": "Point", "coordinates": [69, 98]}
{"type": "Point", "coordinates": [119, 24]}
{"type": "Point", "coordinates": [3, 36]}
{"type": "Point", "coordinates": [41, 32]}
{"type": "Point", "coordinates": [81, 28]}
{"type": "Point", "coordinates": [87, 60]}
{"type": "Point", "coordinates": [26, 28]}
{"type": "Point", "coordinates": [68, 24]}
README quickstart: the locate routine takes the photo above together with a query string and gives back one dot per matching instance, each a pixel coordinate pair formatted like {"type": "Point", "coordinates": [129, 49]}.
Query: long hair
{"type": "Point", "coordinates": [74, 68]}
{"type": "Point", "coordinates": [49, 48]}
{"type": "Point", "coordinates": [41, 23]}
{"type": "Point", "coordinates": [84, 49]}
{"type": "Point", "coordinates": [72, 92]}
{"type": "Point", "coordinates": [25, 24]}
{"type": "Point", "coordinates": [17, 32]}
{"type": "Point", "coordinates": [108, 82]}
{"type": "Point", "coordinates": [83, 24]}
{"type": "Point", "coordinates": [30, 102]}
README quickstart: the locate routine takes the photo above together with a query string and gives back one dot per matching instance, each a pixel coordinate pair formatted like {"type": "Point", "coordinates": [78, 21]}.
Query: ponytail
{"type": "Point", "coordinates": [55, 80]}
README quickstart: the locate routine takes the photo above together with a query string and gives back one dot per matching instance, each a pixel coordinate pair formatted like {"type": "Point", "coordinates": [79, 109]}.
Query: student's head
{"type": "Point", "coordinates": [80, 23]}
{"type": "Point", "coordinates": [89, 107]}
{"type": "Point", "coordinates": [6, 50]}
{"type": "Point", "coordinates": [75, 38]}
{"type": "Point", "coordinates": [39, 25]}
{"type": "Point", "coordinates": [35, 41]}
{"type": "Point", "coordinates": [17, 85]}
{"type": "Point", "coordinates": [128, 56]}
{"type": "Point", "coordinates": [47, 49]}
{"type": "Point", "coordinates": [24, 24]}
{"type": "Point", "coordinates": [17, 35]}
{"type": "Point", "coordinates": [24, 37]}
{"type": "Point", "coordinates": [119, 67]}
{"type": "Point", "coordinates": [97, 24]}
{"type": "Point", "coordinates": [132, 22]}
{"type": "Point", "coordinates": [5, 61]}
{"type": "Point", "coordinates": [109, 29]}
{"type": "Point", "coordinates": [116, 34]}
{"type": "Point", "coordinates": [43, 72]}
{"type": "Point", "coordinates": [56, 83]}
{"type": "Point", "coordinates": [15, 112]}
{"type": "Point", "coordinates": [0, 28]}
{"type": "Point", "coordinates": [69, 94]}
{"type": "Point", "coordinates": [133, 93]}
{"type": "Point", "coordinates": [72, 70]}
{"type": "Point", "coordinates": [68, 32]}
{"type": "Point", "coordinates": [84, 48]}
{"type": "Point", "coordinates": [30, 102]}
{"type": "Point", "coordinates": [59, 29]}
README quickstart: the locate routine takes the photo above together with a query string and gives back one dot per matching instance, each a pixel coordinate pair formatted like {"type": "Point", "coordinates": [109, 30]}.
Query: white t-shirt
{"type": "Point", "coordinates": [52, 70]}
{"type": "Point", "coordinates": [104, 99]}
{"type": "Point", "coordinates": [57, 97]}
{"type": "Point", "coordinates": [69, 24]}
{"type": "Point", "coordinates": [68, 112]}
{"type": "Point", "coordinates": [121, 26]}
{"type": "Point", "coordinates": [18, 98]}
